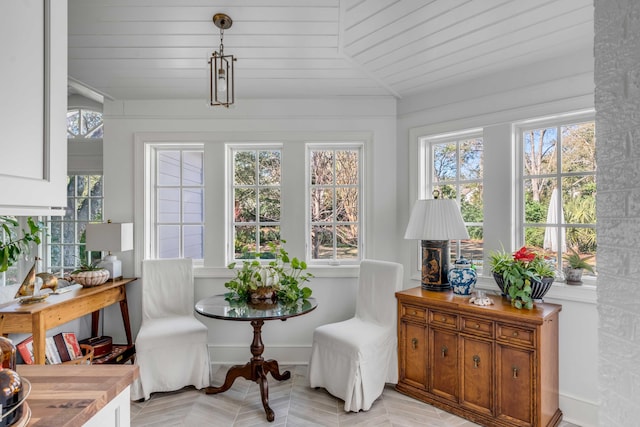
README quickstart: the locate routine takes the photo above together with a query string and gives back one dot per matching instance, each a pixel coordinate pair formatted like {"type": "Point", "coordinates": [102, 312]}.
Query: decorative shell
{"type": "Point", "coordinates": [91, 278]}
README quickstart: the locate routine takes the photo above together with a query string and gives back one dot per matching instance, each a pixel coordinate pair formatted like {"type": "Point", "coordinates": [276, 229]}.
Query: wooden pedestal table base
{"type": "Point", "coordinates": [255, 370]}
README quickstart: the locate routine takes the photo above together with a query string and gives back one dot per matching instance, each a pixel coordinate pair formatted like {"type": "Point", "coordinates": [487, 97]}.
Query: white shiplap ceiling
{"type": "Point", "coordinates": [158, 49]}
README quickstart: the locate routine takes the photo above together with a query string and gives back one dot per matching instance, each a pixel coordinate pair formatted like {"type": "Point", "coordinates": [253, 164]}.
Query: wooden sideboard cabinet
{"type": "Point", "coordinates": [494, 365]}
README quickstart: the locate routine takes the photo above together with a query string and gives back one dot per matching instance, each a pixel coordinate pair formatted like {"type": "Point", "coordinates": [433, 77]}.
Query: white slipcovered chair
{"type": "Point", "coordinates": [171, 347]}
{"type": "Point", "coordinates": [353, 359]}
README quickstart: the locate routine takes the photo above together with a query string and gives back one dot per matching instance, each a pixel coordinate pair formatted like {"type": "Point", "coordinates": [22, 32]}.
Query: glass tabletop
{"type": "Point", "coordinates": [220, 308]}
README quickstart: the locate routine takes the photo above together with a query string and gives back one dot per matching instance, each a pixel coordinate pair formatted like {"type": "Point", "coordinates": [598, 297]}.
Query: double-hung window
{"type": "Point", "coordinates": [66, 234]}
{"type": "Point", "coordinates": [335, 203]}
{"type": "Point", "coordinates": [452, 165]}
{"type": "Point", "coordinates": [178, 201]}
{"type": "Point", "coordinates": [320, 216]}
{"type": "Point", "coordinates": [557, 202]}
{"type": "Point", "coordinates": [256, 176]}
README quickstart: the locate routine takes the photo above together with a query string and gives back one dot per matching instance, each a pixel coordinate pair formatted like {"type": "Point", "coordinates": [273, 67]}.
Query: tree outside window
{"type": "Point", "coordinates": [335, 203]}
{"type": "Point", "coordinates": [559, 188]}
{"type": "Point", "coordinates": [256, 200]}
{"type": "Point", "coordinates": [66, 234]}
{"type": "Point", "coordinates": [456, 171]}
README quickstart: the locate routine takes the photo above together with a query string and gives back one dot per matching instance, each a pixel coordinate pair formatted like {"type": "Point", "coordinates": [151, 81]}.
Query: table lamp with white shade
{"type": "Point", "coordinates": [435, 222]}
{"type": "Point", "coordinates": [110, 237]}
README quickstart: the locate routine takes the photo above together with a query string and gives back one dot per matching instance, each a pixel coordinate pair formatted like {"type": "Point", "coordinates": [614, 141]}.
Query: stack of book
{"type": "Point", "coordinates": [59, 348]}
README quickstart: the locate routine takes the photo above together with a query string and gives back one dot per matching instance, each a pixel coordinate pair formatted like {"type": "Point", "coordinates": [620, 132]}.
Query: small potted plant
{"type": "Point", "coordinates": [280, 279]}
{"type": "Point", "coordinates": [576, 264]}
{"type": "Point", "coordinates": [89, 275]}
{"type": "Point", "coordinates": [523, 276]}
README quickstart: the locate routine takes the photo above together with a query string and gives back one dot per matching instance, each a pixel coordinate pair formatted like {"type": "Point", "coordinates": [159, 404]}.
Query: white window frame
{"type": "Point", "coordinates": [152, 205]}
{"type": "Point", "coordinates": [230, 186]}
{"type": "Point", "coordinates": [91, 256]}
{"type": "Point", "coordinates": [425, 175]}
{"type": "Point", "coordinates": [217, 217]}
{"type": "Point", "coordinates": [556, 121]}
{"type": "Point", "coordinates": [360, 147]}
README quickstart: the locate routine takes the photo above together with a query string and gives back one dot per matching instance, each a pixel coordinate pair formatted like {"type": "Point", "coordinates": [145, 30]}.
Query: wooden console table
{"type": "Point", "coordinates": [494, 365]}
{"type": "Point", "coordinates": [57, 310]}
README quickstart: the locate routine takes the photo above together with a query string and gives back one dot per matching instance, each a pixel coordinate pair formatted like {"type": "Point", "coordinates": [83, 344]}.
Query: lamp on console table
{"type": "Point", "coordinates": [435, 222]}
{"type": "Point", "coordinates": [111, 237]}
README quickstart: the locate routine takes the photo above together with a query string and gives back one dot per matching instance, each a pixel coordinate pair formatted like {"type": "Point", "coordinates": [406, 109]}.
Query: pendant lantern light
{"type": "Point", "coordinates": [221, 75]}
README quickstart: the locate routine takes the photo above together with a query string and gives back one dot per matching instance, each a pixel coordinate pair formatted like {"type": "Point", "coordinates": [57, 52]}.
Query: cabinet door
{"type": "Point", "coordinates": [443, 367]}
{"type": "Point", "coordinates": [515, 385]}
{"type": "Point", "coordinates": [33, 106]}
{"type": "Point", "coordinates": [476, 374]}
{"type": "Point", "coordinates": [413, 354]}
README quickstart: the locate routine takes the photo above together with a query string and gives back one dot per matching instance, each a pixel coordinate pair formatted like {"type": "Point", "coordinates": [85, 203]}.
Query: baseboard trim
{"type": "Point", "coordinates": [575, 410]}
{"type": "Point", "coordinates": [579, 411]}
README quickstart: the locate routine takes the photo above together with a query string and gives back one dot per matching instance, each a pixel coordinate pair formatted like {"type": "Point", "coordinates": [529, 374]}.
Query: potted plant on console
{"type": "Point", "coordinates": [576, 264]}
{"type": "Point", "coordinates": [89, 275]}
{"type": "Point", "coordinates": [523, 276]}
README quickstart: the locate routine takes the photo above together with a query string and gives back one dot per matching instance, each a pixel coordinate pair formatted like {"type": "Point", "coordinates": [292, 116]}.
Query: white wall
{"type": "Point", "coordinates": [493, 103]}
{"type": "Point", "coordinates": [133, 122]}
{"type": "Point", "coordinates": [617, 78]}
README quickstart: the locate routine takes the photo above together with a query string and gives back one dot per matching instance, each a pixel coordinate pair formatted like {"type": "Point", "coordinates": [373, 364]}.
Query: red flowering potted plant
{"type": "Point", "coordinates": [523, 276]}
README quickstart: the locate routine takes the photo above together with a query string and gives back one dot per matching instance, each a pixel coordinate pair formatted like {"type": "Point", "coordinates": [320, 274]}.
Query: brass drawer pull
{"type": "Point", "coordinates": [415, 313]}
{"type": "Point", "coordinates": [477, 325]}
{"type": "Point", "coordinates": [514, 334]}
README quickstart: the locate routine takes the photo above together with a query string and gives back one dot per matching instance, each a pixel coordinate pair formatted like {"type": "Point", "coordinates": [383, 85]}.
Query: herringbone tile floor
{"type": "Point", "coordinates": [294, 402]}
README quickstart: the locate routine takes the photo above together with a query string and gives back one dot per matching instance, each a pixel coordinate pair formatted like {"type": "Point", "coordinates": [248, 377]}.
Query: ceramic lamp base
{"type": "Point", "coordinates": [435, 265]}
{"type": "Point", "coordinates": [113, 265]}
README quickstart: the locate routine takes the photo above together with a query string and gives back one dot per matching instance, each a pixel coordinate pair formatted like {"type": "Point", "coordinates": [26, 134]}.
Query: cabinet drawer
{"type": "Point", "coordinates": [478, 327]}
{"type": "Point", "coordinates": [516, 334]}
{"type": "Point", "coordinates": [442, 318]}
{"type": "Point", "coordinates": [413, 312]}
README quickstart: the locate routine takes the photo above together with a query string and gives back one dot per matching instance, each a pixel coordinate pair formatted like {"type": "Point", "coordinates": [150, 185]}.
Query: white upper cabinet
{"type": "Point", "coordinates": [33, 105]}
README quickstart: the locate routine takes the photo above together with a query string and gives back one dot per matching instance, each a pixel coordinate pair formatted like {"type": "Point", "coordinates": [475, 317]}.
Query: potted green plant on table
{"type": "Point", "coordinates": [281, 279]}
{"type": "Point", "coordinates": [576, 264]}
{"type": "Point", "coordinates": [523, 276]}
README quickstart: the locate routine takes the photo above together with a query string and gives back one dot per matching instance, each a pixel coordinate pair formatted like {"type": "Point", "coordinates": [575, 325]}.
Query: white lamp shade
{"type": "Point", "coordinates": [110, 236]}
{"type": "Point", "coordinates": [436, 219]}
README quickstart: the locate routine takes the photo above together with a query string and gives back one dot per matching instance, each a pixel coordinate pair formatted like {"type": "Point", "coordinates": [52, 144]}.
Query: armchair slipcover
{"type": "Point", "coordinates": [353, 359]}
{"type": "Point", "coordinates": [171, 347]}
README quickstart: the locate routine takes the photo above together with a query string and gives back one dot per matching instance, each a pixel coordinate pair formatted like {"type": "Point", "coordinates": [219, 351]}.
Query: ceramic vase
{"type": "Point", "coordinates": [462, 277]}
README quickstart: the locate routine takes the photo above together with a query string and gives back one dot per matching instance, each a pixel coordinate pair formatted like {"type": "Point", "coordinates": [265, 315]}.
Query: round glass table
{"type": "Point", "coordinates": [257, 368]}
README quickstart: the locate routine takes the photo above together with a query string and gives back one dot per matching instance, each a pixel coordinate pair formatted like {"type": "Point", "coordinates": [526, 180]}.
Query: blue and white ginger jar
{"type": "Point", "coordinates": [462, 277]}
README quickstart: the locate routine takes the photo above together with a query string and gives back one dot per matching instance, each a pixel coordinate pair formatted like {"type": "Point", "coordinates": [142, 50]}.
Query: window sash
{"type": "Point", "coordinates": [177, 233]}
{"type": "Point", "coordinates": [64, 246]}
{"type": "Point", "coordinates": [427, 184]}
{"type": "Point", "coordinates": [264, 231]}
{"type": "Point", "coordinates": [331, 226]}
{"type": "Point", "coordinates": [556, 178]}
